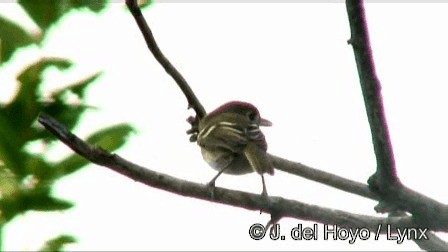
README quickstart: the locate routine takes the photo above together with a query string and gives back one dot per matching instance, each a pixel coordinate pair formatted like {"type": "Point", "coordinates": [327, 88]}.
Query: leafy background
{"type": "Point", "coordinates": [27, 177]}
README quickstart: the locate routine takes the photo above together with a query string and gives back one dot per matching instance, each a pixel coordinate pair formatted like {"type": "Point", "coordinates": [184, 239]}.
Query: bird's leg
{"type": "Point", "coordinates": [211, 184]}
{"type": "Point", "coordinates": [264, 193]}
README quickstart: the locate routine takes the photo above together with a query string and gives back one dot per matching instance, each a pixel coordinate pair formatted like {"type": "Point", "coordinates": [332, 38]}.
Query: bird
{"type": "Point", "coordinates": [231, 141]}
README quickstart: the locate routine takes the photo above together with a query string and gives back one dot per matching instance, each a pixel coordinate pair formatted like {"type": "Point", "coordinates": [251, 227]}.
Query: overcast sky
{"type": "Point", "coordinates": [290, 60]}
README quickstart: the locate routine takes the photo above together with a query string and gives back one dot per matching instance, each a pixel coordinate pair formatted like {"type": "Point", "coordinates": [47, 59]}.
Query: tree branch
{"type": "Point", "coordinates": [193, 101]}
{"type": "Point", "coordinates": [433, 243]}
{"type": "Point", "coordinates": [281, 206]}
{"type": "Point", "coordinates": [371, 89]}
{"type": "Point", "coordinates": [403, 197]}
{"type": "Point", "coordinates": [385, 180]}
{"type": "Point", "coordinates": [322, 177]}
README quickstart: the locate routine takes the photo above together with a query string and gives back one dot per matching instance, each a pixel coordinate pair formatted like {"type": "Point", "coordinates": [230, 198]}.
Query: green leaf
{"type": "Point", "coordinates": [47, 12]}
{"type": "Point", "coordinates": [9, 207]}
{"type": "Point", "coordinates": [110, 139]}
{"type": "Point", "coordinates": [33, 73]}
{"type": "Point", "coordinates": [10, 147]}
{"type": "Point", "coordinates": [71, 164]}
{"type": "Point", "coordinates": [9, 183]}
{"type": "Point", "coordinates": [12, 37]}
{"type": "Point", "coordinates": [145, 3]}
{"type": "Point", "coordinates": [95, 6]}
{"type": "Point", "coordinates": [57, 244]}
{"type": "Point", "coordinates": [38, 166]}
{"type": "Point", "coordinates": [42, 202]}
{"type": "Point", "coordinates": [25, 107]}
{"type": "Point", "coordinates": [77, 88]}
{"type": "Point", "coordinates": [37, 199]}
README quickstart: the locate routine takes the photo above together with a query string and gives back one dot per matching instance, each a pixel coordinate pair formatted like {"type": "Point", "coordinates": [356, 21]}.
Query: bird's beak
{"type": "Point", "coordinates": [265, 122]}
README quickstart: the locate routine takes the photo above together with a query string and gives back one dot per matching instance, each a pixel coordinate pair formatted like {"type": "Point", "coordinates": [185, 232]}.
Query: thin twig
{"type": "Point", "coordinates": [193, 101]}
{"type": "Point", "coordinates": [285, 207]}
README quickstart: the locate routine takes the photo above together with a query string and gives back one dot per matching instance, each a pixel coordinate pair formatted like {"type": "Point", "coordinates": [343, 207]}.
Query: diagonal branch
{"type": "Point", "coordinates": [323, 177]}
{"type": "Point", "coordinates": [285, 207]}
{"type": "Point", "coordinates": [193, 101]}
{"type": "Point", "coordinates": [371, 90]}
{"type": "Point", "coordinates": [385, 181]}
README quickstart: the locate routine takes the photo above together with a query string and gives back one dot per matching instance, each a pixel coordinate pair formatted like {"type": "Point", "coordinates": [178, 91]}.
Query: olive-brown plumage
{"type": "Point", "coordinates": [232, 142]}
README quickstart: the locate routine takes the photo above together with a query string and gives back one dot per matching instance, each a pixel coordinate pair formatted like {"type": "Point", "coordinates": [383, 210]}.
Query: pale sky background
{"type": "Point", "coordinates": [291, 61]}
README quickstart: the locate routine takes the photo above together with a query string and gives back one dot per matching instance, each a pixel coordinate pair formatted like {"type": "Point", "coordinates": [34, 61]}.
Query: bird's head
{"type": "Point", "coordinates": [244, 109]}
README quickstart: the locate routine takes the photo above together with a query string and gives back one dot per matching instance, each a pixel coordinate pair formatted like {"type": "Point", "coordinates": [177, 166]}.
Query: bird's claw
{"type": "Point", "coordinates": [194, 130]}
{"type": "Point", "coordinates": [211, 188]}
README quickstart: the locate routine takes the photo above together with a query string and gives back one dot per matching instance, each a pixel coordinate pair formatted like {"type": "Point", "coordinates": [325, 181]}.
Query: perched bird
{"type": "Point", "coordinates": [232, 142]}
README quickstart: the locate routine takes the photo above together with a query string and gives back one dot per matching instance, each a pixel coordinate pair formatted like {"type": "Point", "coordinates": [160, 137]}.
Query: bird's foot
{"type": "Point", "coordinates": [211, 187]}
{"type": "Point", "coordinates": [194, 130]}
{"type": "Point", "coordinates": [267, 202]}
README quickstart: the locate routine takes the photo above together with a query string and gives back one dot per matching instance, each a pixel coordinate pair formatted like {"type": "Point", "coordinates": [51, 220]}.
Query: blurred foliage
{"type": "Point", "coordinates": [26, 177]}
{"type": "Point", "coordinates": [145, 3]}
{"type": "Point", "coordinates": [47, 12]}
{"type": "Point", "coordinates": [57, 243]}
{"type": "Point", "coordinates": [12, 37]}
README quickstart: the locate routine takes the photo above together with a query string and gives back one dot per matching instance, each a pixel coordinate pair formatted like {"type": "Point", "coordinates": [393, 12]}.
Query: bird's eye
{"type": "Point", "coordinates": [252, 115]}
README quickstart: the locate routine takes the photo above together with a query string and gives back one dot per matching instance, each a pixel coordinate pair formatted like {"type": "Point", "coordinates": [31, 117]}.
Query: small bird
{"type": "Point", "coordinates": [232, 142]}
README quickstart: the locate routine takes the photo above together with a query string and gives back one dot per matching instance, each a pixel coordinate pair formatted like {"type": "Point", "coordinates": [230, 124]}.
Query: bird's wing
{"type": "Point", "coordinates": [223, 134]}
{"type": "Point", "coordinates": [258, 159]}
